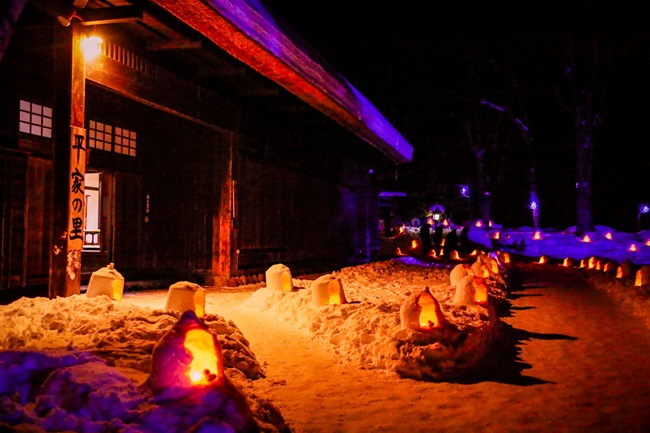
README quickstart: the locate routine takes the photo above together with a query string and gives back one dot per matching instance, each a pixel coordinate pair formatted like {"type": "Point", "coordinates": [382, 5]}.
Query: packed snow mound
{"type": "Point", "coordinates": [367, 330]}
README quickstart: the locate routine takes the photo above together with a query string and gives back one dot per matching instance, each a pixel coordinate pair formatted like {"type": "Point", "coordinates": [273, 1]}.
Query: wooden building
{"type": "Point", "coordinates": [206, 140]}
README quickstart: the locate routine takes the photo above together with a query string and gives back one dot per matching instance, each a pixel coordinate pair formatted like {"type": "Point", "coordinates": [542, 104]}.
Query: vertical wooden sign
{"type": "Point", "coordinates": [77, 197]}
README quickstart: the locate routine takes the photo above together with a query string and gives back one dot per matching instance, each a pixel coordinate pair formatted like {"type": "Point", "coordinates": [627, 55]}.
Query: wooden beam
{"type": "Point", "coordinates": [109, 15]}
{"type": "Point", "coordinates": [249, 33]}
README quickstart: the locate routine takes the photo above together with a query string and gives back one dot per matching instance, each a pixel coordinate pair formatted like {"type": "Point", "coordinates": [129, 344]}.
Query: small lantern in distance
{"type": "Point", "coordinates": [327, 290]}
{"type": "Point", "coordinates": [278, 277]}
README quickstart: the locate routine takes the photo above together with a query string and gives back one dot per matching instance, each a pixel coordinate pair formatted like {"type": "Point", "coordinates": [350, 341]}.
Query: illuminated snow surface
{"type": "Point", "coordinates": [80, 364]}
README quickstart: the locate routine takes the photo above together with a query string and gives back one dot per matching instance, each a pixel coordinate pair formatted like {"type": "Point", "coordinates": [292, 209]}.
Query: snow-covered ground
{"type": "Point", "coordinates": [83, 363]}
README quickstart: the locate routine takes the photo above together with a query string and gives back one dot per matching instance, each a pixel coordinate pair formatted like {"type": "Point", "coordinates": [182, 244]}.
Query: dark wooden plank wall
{"type": "Point", "coordinates": [294, 218]}
{"type": "Point", "coordinates": [12, 232]}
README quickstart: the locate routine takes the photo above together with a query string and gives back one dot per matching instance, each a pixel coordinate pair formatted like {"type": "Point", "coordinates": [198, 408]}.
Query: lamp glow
{"type": "Point", "coordinates": [91, 47]}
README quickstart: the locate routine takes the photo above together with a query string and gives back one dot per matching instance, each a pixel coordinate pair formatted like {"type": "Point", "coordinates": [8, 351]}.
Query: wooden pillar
{"type": "Point", "coordinates": [69, 164]}
{"type": "Point", "coordinates": [223, 228]}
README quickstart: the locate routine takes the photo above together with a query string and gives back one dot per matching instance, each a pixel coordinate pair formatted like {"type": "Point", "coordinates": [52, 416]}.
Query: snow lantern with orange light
{"type": "Point", "coordinates": [642, 276]}
{"type": "Point", "coordinates": [327, 290]}
{"type": "Point", "coordinates": [278, 277]}
{"type": "Point", "coordinates": [188, 356]}
{"type": "Point", "coordinates": [459, 272]}
{"type": "Point", "coordinates": [610, 267]}
{"type": "Point", "coordinates": [543, 259]}
{"type": "Point", "coordinates": [454, 255]}
{"type": "Point", "coordinates": [568, 262]}
{"type": "Point", "coordinates": [625, 269]}
{"type": "Point", "coordinates": [186, 296]}
{"type": "Point", "coordinates": [503, 257]}
{"type": "Point", "coordinates": [106, 281]}
{"type": "Point", "coordinates": [537, 236]}
{"type": "Point", "coordinates": [480, 268]}
{"type": "Point", "coordinates": [633, 248]}
{"type": "Point", "coordinates": [609, 236]}
{"type": "Point", "coordinates": [586, 238]}
{"type": "Point", "coordinates": [591, 263]}
{"type": "Point", "coordinates": [422, 312]}
{"type": "Point", "coordinates": [471, 290]}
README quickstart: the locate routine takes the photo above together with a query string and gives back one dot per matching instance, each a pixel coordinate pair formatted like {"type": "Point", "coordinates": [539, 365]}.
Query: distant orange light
{"type": "Point", "coordinates": [537, 236]}
{"type": "Point", "coordinates": [633, 248]}
{"type": "Point", "coordinates": [647, 243]}
{"type": "Point", "coordinates": [479, 223]}
{"type": "Point", "coordinates": [432, 254]}
{"type": "Point", "coordinates": [445, 223]}
{"type": "Point", "coordinates": [586, 239]}
{"type": "Point", "coordinates": [398, 252]}
{"type": "Point", "coordinates": [609, 236]}
{"type": "Point", "coordinates": [542, 259]}
{"type": "Point", "coordinates": [414, 244]}
{"type": "Point", "coordinates": [496, 235]}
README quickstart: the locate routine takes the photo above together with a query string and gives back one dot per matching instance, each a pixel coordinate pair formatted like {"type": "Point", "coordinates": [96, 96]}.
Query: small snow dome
{"type": "Point", "coordinates": [186, 296]}
{"type": "Point", "coordinates": [421, 311]}
{"type": "Point", "coordinates": [625, 269]}
{"type": "Point", "coordinates": [327, 290]}
{"type": "Point", "coordinates": [642, 276]}
{"type": "Point", "coordinates": [106, 281]}
{"type": "Point", "coordinates": [278, 277]}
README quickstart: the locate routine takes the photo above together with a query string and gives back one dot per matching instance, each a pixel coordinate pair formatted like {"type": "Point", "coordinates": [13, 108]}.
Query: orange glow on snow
{"type": "Point", "coordinates": [479, 223]}
{"type": "Point", "coordinates": [204, 367]}
{"type": "Point", "coordinates": [537, 236]}
{"type": "Point", "coordinates": [414, 244]}
{"type": "Point", "coordinates": [633, 248]}
{"type": "Point", "coordinates": [429, 315]}
{"type": "Point", "coordinates": [586, 239]}
{"type": "Point", "coordinates": [647, 243]}
{"type": "Point", "coordinates": [496, 235]}
{"type": "Point", "coordinates": [609, 236]}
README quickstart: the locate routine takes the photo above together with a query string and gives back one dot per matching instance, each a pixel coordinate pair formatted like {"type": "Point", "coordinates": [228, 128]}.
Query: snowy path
{"type": "Point", "coordinates": [575, 363]}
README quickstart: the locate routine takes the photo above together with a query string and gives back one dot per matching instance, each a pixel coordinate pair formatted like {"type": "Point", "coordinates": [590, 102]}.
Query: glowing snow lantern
{"type": "Point", "coordinates": [398, 252]}
{"type": "Point", "coordinates": [585, 239]}
{"type": "Point", "coordinates": [414, 244]}
{"type": "Point", "coordinates": [543, 259]}
{"type": "Point", "coordinates": [609, 235]}
{"type": "Point", "coordinates": [647, 243]}
{"type": "Point", "coordinates": [478, 223]}
{"type": "Point", "coordinates": [642, 276]}
{"type": "Point", "coordinates": [106, 281]}
{"type": "Point", "coordinates": [633, 248]}
{"type": "Point", "coordinates": [480, 268]}
{"type": "Point", "coordinates": [568, 262]}
{"type": "Point", "coordinates": [421, 311]}
{"type": "Point", "coordinates": [495, 235]}
{"type": "Point", "coordinates": [471, 290]}
{"type": "Point", "coordinates": [186, 296]}
{"type": "Point", "coordinates": [432, 254]}
{"type": "Point", "coordinates": [327, 290]}
{"type": "Point", "coordinates": [537, 236]}
{"type": "Point", "coordinates": [625, 269]}
{"type": "Point", "coordinates": [584, 263]}
{"type": "Point", "coordinates": [610, 266]}
{"type": "Point", "coordinates": [453, 255]}
{"type": "Point", "coordinates": [188, 355]}
{"type": "Point", "coordinates": [591, 264]}
{"type": "Point", "coordinates": [459, 272]}
{"type": "Point", "coordinates": [492, 263]}
{"type": "Point", "coordinates": [278, 277]}
{"type": "Point", "coordinates": [503, 257]}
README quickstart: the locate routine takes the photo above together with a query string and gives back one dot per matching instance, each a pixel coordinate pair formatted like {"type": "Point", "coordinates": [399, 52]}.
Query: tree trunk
{"type": "Point", "coordinates": [584, 164]}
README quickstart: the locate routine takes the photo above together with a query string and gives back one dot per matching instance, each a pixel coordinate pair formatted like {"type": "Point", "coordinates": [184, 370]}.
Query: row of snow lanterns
{"type": "Point", "coordinates": [422, 311]}
{"type": "Point", "coordinates": [325, 290]}
{"type": "Point", "coordinates": [625, 269]}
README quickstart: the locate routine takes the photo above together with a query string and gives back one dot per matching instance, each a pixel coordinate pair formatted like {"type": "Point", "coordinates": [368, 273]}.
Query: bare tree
{"type": "Point", "coordinates": [588, 60]}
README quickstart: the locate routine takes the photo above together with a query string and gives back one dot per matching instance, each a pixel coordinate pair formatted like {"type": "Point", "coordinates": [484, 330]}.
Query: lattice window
{"type": "Point", "coordinates": [35, 119]}
{"type": "Point", "coordinates": [100, 136]}
{"type": "Point", "coordinates": [112, 139]}
{"type": "Point", "coordinates": [125, 141]}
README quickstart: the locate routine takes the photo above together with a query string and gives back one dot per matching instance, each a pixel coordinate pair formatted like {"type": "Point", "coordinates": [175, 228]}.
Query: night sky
{"type": "Point", "coordinates": [422, 65]}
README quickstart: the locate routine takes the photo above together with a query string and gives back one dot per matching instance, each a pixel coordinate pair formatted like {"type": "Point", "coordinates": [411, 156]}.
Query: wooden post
{"type": "Point", "coordinates": [69, 165]}
{"type": "Point", "coordinates": [223, 228]}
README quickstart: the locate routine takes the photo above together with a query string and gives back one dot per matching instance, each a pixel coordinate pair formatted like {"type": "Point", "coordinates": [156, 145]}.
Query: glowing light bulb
{"type": "Point", "coordinates": [91, 47]}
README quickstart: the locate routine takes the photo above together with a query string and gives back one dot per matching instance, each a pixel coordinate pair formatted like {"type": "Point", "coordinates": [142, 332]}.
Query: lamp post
{"type": "Point", "coordinates": [643, 208]}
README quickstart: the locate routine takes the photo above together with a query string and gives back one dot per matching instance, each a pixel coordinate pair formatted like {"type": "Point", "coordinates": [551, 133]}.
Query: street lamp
{"type": "Point", "coordinates": [643, 208]}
